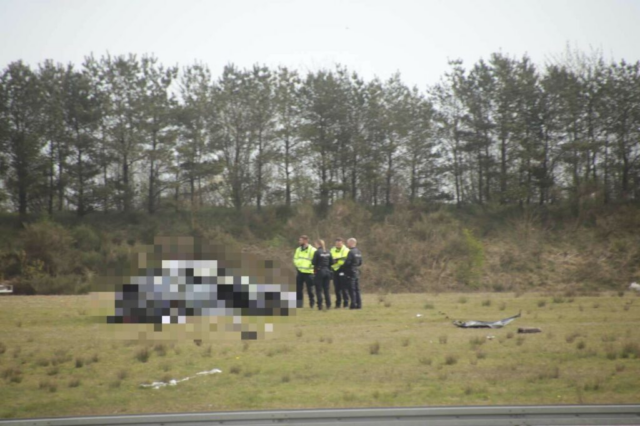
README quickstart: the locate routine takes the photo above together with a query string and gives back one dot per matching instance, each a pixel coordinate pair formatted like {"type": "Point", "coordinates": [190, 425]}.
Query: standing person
{"type": "Point", "coordinates": [322, 266]}
{"type": "Point", "coordinates": [302, 259]}
{"type": "Point", "coordinates": [352, 269]}
{"type": "Point", "coordinates": [338, 255]}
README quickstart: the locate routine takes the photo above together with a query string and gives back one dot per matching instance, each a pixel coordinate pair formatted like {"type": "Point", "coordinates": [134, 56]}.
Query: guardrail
{"type": "Point", "coordinates": [434, 416]}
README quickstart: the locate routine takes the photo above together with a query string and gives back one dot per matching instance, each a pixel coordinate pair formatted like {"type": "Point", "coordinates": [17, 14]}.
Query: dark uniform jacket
{"type": "Point", "coordinates": [321, 260]}
{"type": "Point", "coordinates": [352, 264]}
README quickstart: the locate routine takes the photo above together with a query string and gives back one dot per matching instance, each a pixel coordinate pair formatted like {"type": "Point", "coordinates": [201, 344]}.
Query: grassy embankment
{"type": "Point", "coordinates": [54, 363]}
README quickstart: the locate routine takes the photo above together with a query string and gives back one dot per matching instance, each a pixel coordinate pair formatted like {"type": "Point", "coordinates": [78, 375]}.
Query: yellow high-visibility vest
{"type": "Point", "coordinates": [302, 259]}
{"type": "Point", "coordinates": [340, 255]}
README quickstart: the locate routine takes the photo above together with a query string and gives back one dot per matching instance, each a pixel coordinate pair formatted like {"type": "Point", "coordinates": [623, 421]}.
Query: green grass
{"type": "Point", "coordinates": [58, 364]}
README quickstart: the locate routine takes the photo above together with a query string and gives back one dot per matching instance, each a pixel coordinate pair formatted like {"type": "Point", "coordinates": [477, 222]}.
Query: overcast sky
{"type": "Point", "coordinates": [372, 37]}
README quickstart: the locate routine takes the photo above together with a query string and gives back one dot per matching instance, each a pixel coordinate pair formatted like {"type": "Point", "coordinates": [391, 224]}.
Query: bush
{"type": "Point", "coordinates": [50, 244]}
{"type": "Point", "coordinates": [469, 271]}
{"type": "Point", "coordinates": [450, 359]}
{"type": "Point", "coordinates": [86, 239]}
{"type": "Point", "coordinates": [143, 354]}
{"type": "Point", "coordinates": [63, 284]}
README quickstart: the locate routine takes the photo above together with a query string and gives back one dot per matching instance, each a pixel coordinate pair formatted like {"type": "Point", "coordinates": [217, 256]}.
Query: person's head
{"type": "Point", "coordinates": [352, 242]}
{"type": "Point", "coordinates": [320, 244]}
{"type": "Point", "coordinates": [339, 243]}
{"type": "Point", "coordinates": [303, 240]}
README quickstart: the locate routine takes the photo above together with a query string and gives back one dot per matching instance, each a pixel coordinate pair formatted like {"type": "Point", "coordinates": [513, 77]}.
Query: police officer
{"type": "Point", "coordinates": [302, 259]}
{"type": "Point", "coordinates": [352, 270]}
{"type": "Point", "coordinates": [322, 267]}
{"type": "Point", "coordinates": [339, 254]}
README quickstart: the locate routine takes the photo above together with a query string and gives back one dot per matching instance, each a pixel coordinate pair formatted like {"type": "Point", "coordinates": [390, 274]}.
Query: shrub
{"type": "Point", "coordinates": [486, 302]}
{"type": "Point", "coordinates": [235, 369]}
{"type": "Point", "coordinates": [62, 284]}
{"type": "Point", "coordinates": [450, 359]}
{"type": "Point", "coordinates": [74, 383]}
{"type": "Point", "coordinates": [143, 354]}
{"type": "Point", "coordinates": [469, 270]}
{"type": "Point", "coordinates": [86, 239]}
{"type": "Point", "coordinates": [443, 339]}
{"type": "Point", "coordinates": [630, 349]}
{"type": "Point", "coordinates": [374, 348]}
{"type": "Point", "coordinates": [50, 244]}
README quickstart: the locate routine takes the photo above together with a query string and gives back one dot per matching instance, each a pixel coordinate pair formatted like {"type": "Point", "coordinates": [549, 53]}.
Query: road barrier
{"type": "Point", "coordinates": [433, 416]}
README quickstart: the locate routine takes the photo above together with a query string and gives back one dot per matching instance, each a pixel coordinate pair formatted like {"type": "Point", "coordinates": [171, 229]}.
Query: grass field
{"type": "Point", "coordinates": [54, 363]}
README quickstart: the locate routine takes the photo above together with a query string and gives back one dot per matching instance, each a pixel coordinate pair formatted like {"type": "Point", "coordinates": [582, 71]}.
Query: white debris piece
{"type": "Point", "coordinates": [491, 337]}
{"type": "Point", "coordinates": [155, 385]}
{"type": "Point", "coordinates": [418, 315]}
{"type": "Point", "coordinates": [204, 373]}
{"type": "Point", "coordinates": [173, 382]}
{"type": "Point", "coordinates": [634, 286]}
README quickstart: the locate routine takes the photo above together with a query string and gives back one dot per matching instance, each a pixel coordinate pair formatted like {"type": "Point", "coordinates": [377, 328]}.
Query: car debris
{"type": "Point", "coordinates": [526, 330]}
{"type": "Point", "coordinates": [173, 382]}
{"type": "Point", "coordinates": [485, 324]}
{"type": "Point", "coordinates": [634, 286]}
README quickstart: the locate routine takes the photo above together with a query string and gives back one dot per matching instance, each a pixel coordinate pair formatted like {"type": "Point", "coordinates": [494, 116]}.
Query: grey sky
{"type": "Point", "coordinates": [371, 37]}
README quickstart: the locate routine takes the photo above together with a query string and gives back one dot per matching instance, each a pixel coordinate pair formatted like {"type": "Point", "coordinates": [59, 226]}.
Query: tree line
{"type": "Point", "coordinates": [124, 133]}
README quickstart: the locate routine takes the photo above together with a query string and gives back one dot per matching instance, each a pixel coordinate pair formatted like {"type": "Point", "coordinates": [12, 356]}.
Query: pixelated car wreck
{"type": "Point", "coordinates": [174, 282]}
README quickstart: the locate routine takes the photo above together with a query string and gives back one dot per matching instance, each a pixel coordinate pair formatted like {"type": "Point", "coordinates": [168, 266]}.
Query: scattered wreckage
{"type": "Point", "coordinates": [485, 324]}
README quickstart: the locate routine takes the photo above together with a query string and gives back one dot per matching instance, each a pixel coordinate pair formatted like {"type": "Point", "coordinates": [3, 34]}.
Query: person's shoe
{"type": "Point", "coordinates": [346, 305]}
{"type": "Point", "coordinates": [352, 307]}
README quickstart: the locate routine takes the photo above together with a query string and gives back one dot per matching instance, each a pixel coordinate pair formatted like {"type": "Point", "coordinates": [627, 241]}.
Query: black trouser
{"type": "Point", "coordinates": [354, 291]}
{"type": "Point", "coordinates": [302, 278]}
{"type": "Point", "coordinates": [323, 276]}
{"type": "Point", "coordinates": [341, 286]}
